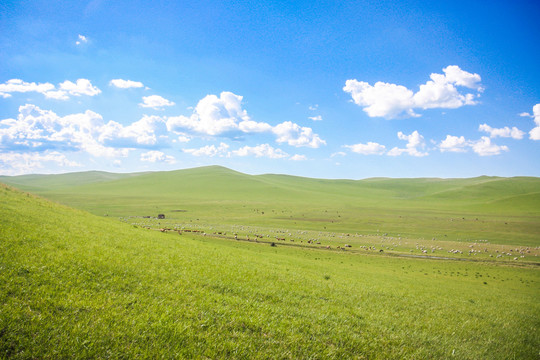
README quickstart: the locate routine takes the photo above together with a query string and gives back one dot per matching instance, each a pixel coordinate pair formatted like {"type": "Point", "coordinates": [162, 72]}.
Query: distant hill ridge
{"type": "Point", "coordinates": [217, 182]}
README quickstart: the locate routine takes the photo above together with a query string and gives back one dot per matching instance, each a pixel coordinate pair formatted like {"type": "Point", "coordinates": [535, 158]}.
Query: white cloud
{"type": "Point", "coordinates": [81, 40]}
{"type": "Point", "coordinates": [297, 157]}
{"type": "Point", "coordinates": [454, 75]}
{"type": "Point", "coordinates": [484, 147]}
{"type": "Point", "coordinates": [440, 93]}
{"type": "Point", "coordinates": [155, 102]}
{"type": "Point", "coordinates": [534, 134]}
{"type": "Point", "coordinates": [17, 85]}
{"type": "Point", "coordinates": [505, 132]}
{"type": "Point", "coordinates": [182, 138]}
{"type": "Point", "coordinates": [454, 144]}
{"type": "Point", "coordinates": [296, 135]}
{"type": "Point", "coordinates": [16, 163]}
{"type": "Point", "coordinates": [382, 99]}
{"type": "Point", "coordinates": [313, 107]}
{"type": "Point", "coordinates": [536, 114]}
{"type": "Point", "coordinates": [224, 115]}
{"type": "Point", "coordinates": [143, 132]}
{"type": "Point", "coordinates": [339, 153]}
{"type": "Point", "coordinates": [126, 84]}
{"type": "Point", "coordinates": [209, 150]}
{"type": "Point", "coordinates": [414, 141]}
{"type": "Point", "coordinates": [250, 126]}
{"type": "Point", "coordinates": [370, 148]}
{"type": "Point", "coordinates": [157, 156]}
{"type": "Point", "coordinates": [43, 130]}
{"type": "Point", "coordinates": [263, 150]}
{"type": "Point", "coordinates": [217, 116]}
{"type": "Point", "coordinates": [56, 95]}
{"type": "Point", "coordinates": [81, 87]}
{"type": "Point", "coordinates": [392, 101]}
{"type": "Point", "coordinates": [316, 118]}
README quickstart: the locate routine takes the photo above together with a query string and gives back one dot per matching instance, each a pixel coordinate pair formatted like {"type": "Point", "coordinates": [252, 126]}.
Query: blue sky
{"type": "Point", "coordinates": [350, 89]}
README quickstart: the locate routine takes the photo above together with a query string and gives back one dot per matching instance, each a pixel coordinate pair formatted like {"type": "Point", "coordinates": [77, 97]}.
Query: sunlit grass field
{"type": "Point", "coordinates": [76, 285]}
{"type": "Point", "coordinates": [500, 210]}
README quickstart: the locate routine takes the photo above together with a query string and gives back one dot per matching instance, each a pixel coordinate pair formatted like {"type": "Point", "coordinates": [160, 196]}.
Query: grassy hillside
{"type": "Point", "coordinates": [74, 285]}
{"type": "Point", "coordinates": [60, 181]}
{"type": "Point", "coordinates": [500, 210]}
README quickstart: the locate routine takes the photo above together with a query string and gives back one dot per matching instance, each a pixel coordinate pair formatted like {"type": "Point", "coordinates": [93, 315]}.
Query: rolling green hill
{"type": "Point", "coordinates": [501, 210]}
{"type": "Point", "coordinates": [76, 285]}
{"type": "Point", "coordinates": [59, 181]}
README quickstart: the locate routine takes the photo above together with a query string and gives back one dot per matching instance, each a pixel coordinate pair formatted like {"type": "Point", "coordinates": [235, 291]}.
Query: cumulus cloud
{"type": "Point", "coordinates": [392, 101]}
{"type": "Point", "coordinates": [16, 163]}
{"type": "Point", "coordinates": [534, 134]}
{"type": "Point", "coordinates": [224, 116]}
{"type": "Point", "coordinates": [316, 118]}
{"type": "Point", "coordinates": [297, 157]}
{"type": "Point", "coordinates": [216, 116]}
{"type": "Point", "coordinates": [182, 138]}
{"type": "Point", "coordinates": [155, 102]}
{"type": "Point", "coordinates": [371, 148]}
{"type": "Point", "coordinates": [36, 129]}
{"type": "Point", "coordinates": [17, 85]}
{"type": "Point", "coordinates": [414, 141]}
{"type": "Point", "coordinates": [141, 133]}
{"type": "Point", "coordinates": [454, 144]}
{"type": "Point", "coordinates": [250, 126]}
{"type": "Point", "coordinates": [209, 150]}
{"type": "Point", "coordinates": [154, 156]}
{"type": "Point", "coordinates": [382, 99]}
{"type": "Point", "coordinates": [81, 40]}
{"type": "Point", "coordinates": [80, 87]}
{"type": "Point", "coordinates": [505, 132]}
{"type": "Point", "coordinates": [125, 84]}
{"type": "Point", "coordinates": [296, 135]}
{"type": "Point", "coordinates": [484, 147]}
{"type": "Point", "coordinates": [454, 75]}
{"type": "Point", "coordinates": [263, 150]}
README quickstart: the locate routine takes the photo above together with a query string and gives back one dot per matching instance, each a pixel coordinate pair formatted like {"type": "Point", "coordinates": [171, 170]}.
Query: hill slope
{"type": "Point", "coordinates": [38, 182]}
{"type": "Point", "coordinates": [497, 209]}
{"type": "Point", "coordinates": [73, 285]}
{"type": "Point", "coordinates": [220, 183]}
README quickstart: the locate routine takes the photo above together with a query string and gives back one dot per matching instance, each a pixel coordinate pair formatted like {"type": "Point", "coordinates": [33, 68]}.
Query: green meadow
{"type": "Point", "coordinates": [268, 266]}
{"type": "Point", "coordinates": [497, 210]}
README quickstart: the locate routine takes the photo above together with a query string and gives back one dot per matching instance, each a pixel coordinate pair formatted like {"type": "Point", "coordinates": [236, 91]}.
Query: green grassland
{"type": "Point", "coordinates": [38, 182]}
{"type": "Point", "coordinates": [499, 210]}
{"type": "Point", "coordinates": [76, 285]}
